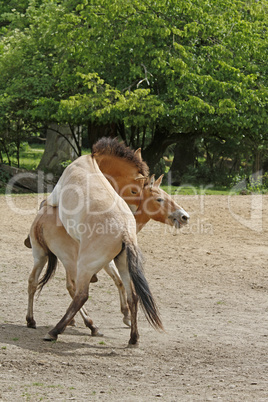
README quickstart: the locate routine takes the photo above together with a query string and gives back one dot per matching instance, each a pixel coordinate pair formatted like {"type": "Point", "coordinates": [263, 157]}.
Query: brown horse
{"type": "Point", "coordinates": [156, 204]}
{"type": "Point", "coordinates": [50, 239]}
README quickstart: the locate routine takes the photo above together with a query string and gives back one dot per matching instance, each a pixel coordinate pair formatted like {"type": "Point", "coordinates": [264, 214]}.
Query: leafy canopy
{"type": "Point", "coordinates": [189, 67]}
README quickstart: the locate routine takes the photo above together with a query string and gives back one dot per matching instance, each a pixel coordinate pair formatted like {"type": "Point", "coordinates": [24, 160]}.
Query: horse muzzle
{"type": "Point", "coordinates": [179, 218]}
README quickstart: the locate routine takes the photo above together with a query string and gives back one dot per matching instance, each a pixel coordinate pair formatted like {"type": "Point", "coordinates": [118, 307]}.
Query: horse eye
{"type": "Point", "coordinates": [159, 200]}
{"type": "Point", "coordinates": [134, 192]}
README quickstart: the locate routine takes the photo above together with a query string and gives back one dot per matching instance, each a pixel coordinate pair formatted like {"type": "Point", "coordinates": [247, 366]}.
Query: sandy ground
{"type": "Point", "coordinates": [211, 284]}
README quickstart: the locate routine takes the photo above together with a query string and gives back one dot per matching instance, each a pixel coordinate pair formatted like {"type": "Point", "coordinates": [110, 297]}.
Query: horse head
{"type": "Point", "coordinates": [156, 204]}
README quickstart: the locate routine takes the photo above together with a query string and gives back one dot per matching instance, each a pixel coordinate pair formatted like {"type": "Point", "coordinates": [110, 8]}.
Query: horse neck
{"type": "Point", "coordinates": [141, 219]}
{"type": "Point", "coordinates": [114, 166]}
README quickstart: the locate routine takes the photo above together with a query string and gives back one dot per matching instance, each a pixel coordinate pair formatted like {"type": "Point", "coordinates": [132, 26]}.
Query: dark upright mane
{"type": "Point", "coordinates": [111, 146]}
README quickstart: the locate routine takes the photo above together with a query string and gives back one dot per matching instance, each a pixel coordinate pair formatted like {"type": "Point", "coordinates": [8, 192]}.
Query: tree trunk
{"type": "Point", "coordinates": [95, 132]}
{"type": "Point", "coordinates": [184, 156]}
{"type": "Point", "coordinates": [257, 165]}
{"type": "Point", "coordinates": [153, 153]}
{"type": "Point", "coordinates": [6, 152]}
{"type": "Point", "coordinates": [60, 147]}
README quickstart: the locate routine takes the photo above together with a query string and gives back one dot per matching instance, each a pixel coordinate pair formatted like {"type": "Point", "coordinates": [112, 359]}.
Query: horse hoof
{"type": "Point", "coordinates": [50, 338]}
{"type": "Point", "coordinates": [133, 345]}
{"type": "Point", "coordinates": [127, 321]}
{"type": "Point", "coordinates": [31, 323]}
{"type": "Point", "coordinates": [96, 332]}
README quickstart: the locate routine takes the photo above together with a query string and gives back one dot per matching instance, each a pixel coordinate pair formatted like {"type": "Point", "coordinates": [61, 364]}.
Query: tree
{"type": "Point", "coordinates": [204, 63]}
{"type": "Point", "coordinates": [156, 73]}
{"type": "Point", "coordinates": [30, 86]}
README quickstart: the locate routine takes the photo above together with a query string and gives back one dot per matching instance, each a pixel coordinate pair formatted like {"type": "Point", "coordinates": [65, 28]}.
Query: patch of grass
{"type": "Point", "coordinates": [27, 396]}
{"type": "Point", "coordinates": [86, 151]}
{"type": "Point", "coordinates": [15, 339]}
{"type": "Point", "coordinates": [102, 343]}
{"type": "Point", "coordinates": [33, 195]}
{"type": "Point", "coordinates": [30, 156]}
{"type": "Point", "coordinates": [55, 386]}
{"type": "Point", "coordinates": [193, 190]}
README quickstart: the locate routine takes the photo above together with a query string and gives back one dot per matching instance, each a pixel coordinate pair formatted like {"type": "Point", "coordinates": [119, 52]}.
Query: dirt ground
{"type": "Point", "coordinates": [210, 281]}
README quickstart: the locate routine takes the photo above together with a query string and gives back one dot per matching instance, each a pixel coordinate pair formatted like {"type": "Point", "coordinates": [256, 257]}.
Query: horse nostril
{"type": "Point", "coordinates": [184, 217]}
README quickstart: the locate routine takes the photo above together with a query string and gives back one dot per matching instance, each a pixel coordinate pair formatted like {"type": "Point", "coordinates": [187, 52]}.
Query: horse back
{"type": "Point", "coordinates": [88, 204]}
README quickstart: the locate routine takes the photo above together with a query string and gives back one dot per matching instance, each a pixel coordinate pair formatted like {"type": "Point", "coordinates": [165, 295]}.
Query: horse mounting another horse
{"type": "Point", "coordinates": [49, 237]}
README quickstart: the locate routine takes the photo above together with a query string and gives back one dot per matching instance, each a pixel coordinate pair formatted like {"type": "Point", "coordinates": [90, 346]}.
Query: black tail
{"type": "Point", "coordinates": [135, 266]}
{"type": "Point", "coordinates": [50, 271]}
{"type": "Point", "coordinates": [52, 259]}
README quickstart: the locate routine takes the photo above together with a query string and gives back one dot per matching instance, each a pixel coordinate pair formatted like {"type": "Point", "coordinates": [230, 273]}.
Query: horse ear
{"type": "Point", "coordinates": [140, 177]}
{"type": "Point", "coordinates": [158, 181]}
{"type": "Point", "coordinates": [152, 181]}
{"type": "Point", "coordinates": [137, 153]}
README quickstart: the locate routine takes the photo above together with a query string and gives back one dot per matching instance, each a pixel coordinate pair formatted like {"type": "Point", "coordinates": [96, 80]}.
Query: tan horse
{"type": "Point", "coordinates": [49, 239]}
{"type": "Point", "coordinates": [127, 172]}
{"type": "Point", "coordinates": [100, 221]}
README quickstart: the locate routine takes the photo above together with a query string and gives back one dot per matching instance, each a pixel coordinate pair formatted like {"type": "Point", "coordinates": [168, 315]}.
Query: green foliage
{"type": "Point", "coordinates": [102, 104]}
{"type": "Point", "coordinates": [64, 164]}
{"type": "Point", "coordinates": [12, 14]}
{"type": "Point", "coordinates": [156, 69]}
{"type": "Point", "coordinates": [258, 184]}
{"type": "Point", "coordinates": [206, 175]}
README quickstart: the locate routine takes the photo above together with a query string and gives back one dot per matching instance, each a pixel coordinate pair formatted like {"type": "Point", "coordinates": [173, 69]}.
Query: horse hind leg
{"type": "Point", "coordinates": [132, 298]}
{"type": "Point", "coordinates": [39, 263]}
{"type": "Point", "coordinates": [130, 266]}
{"type": "Point", "coordinates": [113, 273]}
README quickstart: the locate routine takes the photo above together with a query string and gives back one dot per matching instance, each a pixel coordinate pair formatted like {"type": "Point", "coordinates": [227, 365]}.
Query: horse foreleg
{"type": "Point", "coordinates": [70, 285]}
{"type": "Point", "coordinates": [112, 272]}
{"type": "Point", "coordinates": [39, 263]}
{"type": "Point", "coordinates": [132, 298]}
